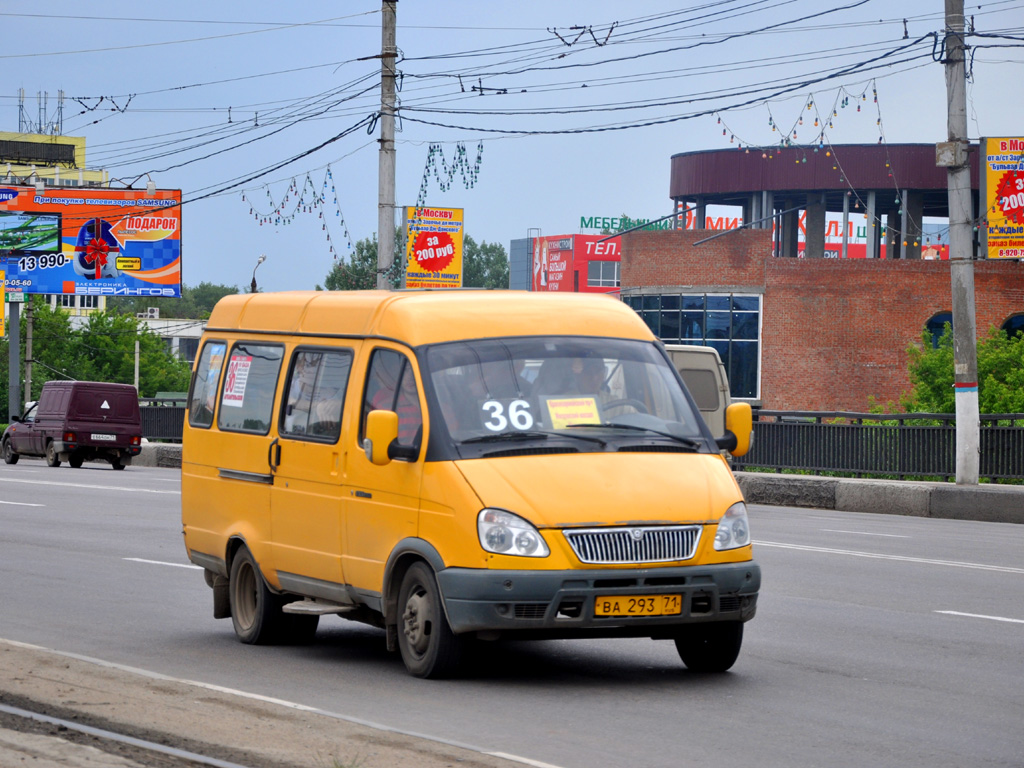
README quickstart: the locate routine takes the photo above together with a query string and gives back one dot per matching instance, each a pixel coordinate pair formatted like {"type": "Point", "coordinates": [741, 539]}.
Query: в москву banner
{"type": "Point", "coordinates": [1003, 192]}
{"type": "Point", "coordinates": [433, 251]}
{"type": "Point", "coordinates": [96, 242]}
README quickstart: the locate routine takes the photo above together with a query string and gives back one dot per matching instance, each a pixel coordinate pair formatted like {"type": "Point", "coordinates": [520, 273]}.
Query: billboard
{"type": "Point", "coordinates": [1003, 191]}
{"type": "Point", "coordinates": [581, 263]}
{"type": "Point", "coordinates": [433, 247]}
{"type": "Point", "coordinates": [96, 242]}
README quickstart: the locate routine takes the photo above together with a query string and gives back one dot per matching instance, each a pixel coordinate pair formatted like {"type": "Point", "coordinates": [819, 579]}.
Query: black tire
{"type": "Point", "coordinates": [52, 459]}
{"type": "Point", "coordinates": [428, 646]}
{"type": "Point", "coordinates": [255, 610]}
{"type": "Point", "coordinates": [710, 647]}
{"type": "Point", "coordinates": [76, 460]}
{"type": "Point", "coordinates": [118, 465]}
{"type": "Point", "coordinates": [10, 457]}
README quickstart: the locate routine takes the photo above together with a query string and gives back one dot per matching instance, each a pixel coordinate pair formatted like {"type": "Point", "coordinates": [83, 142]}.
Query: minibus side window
{"type": "Point", "coordinates": [316, 394]}
{"type": "Point", "coordinates": [250, 381]}
{"type": "Point", "coordinates": [391, 386]}
{"type": "Point", "coordinates": [203, 396]}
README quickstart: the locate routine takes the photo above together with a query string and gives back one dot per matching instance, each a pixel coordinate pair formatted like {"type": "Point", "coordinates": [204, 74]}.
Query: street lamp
{"type": "Point", "coordinates": [260, 260]}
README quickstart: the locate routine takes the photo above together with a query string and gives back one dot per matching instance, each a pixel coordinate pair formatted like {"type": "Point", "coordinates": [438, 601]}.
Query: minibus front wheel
{"type": "Point", "coordinates": [710, 647]}
{"type": "Point", "coordinates": [428, 646]}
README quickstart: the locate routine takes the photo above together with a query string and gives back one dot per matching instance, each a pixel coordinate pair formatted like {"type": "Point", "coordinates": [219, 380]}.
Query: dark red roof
{"type": "Point", "coordinates": [729, 176]}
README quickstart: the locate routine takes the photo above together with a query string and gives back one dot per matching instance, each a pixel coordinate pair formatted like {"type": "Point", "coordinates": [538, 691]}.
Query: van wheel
{"type": "Point", "coordinates": [76, 460]}
{"type": "Point", "coordinates": [710, 647]}
{"type": "Point", "coordinates": [255, 610]}
{"type": "Point", "coordinates": [429, 648]}
{"type": "Point", "coordinates": [52, 459]}
{"type": "Point", "coordinates": [10, 457]}
{"type": "Point", "coordinates": [118, 465]}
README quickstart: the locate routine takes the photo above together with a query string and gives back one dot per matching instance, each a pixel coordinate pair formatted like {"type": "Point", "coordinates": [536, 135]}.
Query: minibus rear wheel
{"type": "Point", "coordinates": [710, 647]}
{"type": "Point", "coordinates": [429, 648]}
{"type": "Point", "coordinates": [255, 610]}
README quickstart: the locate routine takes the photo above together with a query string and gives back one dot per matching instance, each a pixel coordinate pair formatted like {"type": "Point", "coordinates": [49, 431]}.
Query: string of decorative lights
{"type": "Point", "coordinates": [821, 141]}
{"type": "Point", "coordinates": [307, 200]}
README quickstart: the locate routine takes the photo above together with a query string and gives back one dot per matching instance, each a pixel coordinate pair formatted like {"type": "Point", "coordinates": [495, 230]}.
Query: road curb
{"type": "Point", "coordinates": [987, 503]}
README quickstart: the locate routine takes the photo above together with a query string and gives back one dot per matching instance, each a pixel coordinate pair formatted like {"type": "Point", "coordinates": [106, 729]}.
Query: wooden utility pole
{"type": "Point", "coordinates": [961, 264]}
{"type": "Point", "coordinates": [386, 168]}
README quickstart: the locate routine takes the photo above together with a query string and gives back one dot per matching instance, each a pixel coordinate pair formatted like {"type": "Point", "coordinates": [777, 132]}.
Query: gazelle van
{"type": "Point", "coordinates": [459, 467]}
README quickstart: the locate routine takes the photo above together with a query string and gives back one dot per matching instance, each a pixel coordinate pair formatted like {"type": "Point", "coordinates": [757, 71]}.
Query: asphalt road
{"type": "Point", "coordinates": [880, 640]}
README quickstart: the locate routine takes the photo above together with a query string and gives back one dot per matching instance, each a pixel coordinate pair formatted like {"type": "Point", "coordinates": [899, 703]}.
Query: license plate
{"type": "Point", "coordinates": [96, 436]}
{"type": "Point", "coordinates": [638, 605]}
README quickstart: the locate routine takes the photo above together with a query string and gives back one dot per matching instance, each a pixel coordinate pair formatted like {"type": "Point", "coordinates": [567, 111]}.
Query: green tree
{"type": "Point", "coordinates": [484, 265]}
{"type": "Point", "coordinates": [109, 340]}
{"type": "Point", "coordinates": [1000, 374]}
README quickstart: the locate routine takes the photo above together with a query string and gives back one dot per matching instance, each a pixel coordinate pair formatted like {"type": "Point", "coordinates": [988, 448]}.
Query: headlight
{"type": "Point", "coordinates": [507, 534]}
{"type": "Point", "coordinates": [733, 529]}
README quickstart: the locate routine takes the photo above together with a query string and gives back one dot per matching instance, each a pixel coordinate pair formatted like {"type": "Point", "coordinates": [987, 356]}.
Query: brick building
{"type": "Point", "coordinates": [802, 334]}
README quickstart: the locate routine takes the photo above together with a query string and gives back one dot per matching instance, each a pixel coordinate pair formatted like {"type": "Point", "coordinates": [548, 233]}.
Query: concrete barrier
{"type": "Point", "coordinates": [988, 503]}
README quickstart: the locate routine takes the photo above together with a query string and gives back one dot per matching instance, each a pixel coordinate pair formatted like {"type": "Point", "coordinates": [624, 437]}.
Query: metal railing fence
{"type": "Point", "coordinates": [162, 419]}
{"type": "Point", "coordinates": [899, 445]}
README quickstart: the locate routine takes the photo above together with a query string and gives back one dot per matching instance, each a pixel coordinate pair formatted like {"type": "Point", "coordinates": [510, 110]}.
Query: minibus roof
{"type": "Point", "coordinates": [419, 317]}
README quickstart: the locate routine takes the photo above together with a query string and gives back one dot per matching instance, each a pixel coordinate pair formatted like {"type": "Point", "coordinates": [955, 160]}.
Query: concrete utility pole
{"type": "Point", "coordinates": [961, 266]}
{"type": "Point", "coordinates": [386, 168]}
{"type": "Point", "coordinates": [15, 407]}
{"type": "Point", "coordinates": [28, 349]}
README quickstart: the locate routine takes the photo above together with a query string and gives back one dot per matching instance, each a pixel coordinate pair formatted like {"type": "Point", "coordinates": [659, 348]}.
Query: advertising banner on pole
{"type": "Point", "coordinates": [94, 242]}
{"type": "Point", "coordinates": [433, 247]}
{"type": "Point", "coordinates": [1003, 192]}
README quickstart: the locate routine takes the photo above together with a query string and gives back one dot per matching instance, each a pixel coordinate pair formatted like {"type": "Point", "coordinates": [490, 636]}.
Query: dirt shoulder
{"type": "Point", "coordinates": [191, 717]}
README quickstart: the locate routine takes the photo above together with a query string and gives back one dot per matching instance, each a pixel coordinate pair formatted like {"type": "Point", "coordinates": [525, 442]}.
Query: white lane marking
{"type": "Point", "coordinates": [160, 562]}
{"type": "Point", "coordinates": [22, 504]}
{"type": "Point", "coordinates": [523, 760]}
{"type": "Point", "coordinates": [980, 616]}
{"type": "Point", "coordinates": [867, 533]}
{"type": "Point", "coordinates": [901, 558]}
{"type": "Point", "coordinates": [80, 485]}
{"type": "Point", "coordinates": [271, 700]}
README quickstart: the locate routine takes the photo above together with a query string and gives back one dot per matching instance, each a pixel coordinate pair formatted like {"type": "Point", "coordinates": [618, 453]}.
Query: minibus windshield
{"type": "Point", "coordinates": [535, 386]}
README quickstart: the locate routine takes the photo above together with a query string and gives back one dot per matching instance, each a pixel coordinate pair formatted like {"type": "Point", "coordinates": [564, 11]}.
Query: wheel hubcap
{"type": "Point", "coordinates": [416, 622]}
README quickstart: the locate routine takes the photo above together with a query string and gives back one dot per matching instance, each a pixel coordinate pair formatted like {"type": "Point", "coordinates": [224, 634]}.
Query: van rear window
{"type": "Point", "coordinates": [250, 381]}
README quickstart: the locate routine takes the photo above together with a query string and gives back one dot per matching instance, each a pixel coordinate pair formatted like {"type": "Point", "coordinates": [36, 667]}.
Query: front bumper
{"type": "Point", "coordinates": [561, 603]}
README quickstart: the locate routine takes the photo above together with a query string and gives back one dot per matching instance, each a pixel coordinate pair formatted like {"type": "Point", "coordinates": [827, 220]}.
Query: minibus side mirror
{"type": "Point", "coordinates": [15, 417]}
{"type": "Point", "coordinates": [381, 431]}
{"type": "Point", "coordinates": [739, 426]}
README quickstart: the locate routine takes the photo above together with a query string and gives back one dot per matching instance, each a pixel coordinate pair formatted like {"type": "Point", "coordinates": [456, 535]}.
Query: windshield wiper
{"type": "Point", "coordinates": [689, 442]}
{"type": "Point", "coordinates": [528, 435]}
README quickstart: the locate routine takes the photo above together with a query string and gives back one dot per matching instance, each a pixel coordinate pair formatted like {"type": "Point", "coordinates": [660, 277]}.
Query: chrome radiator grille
{"type": "Point", "coordinates": [634, 544]}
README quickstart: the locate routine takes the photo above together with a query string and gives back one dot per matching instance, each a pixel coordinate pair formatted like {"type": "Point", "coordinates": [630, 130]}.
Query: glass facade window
{"type": "Point", "coordinates": [731, 324]}
{"type": "Point", "coordinates": [603, 274]}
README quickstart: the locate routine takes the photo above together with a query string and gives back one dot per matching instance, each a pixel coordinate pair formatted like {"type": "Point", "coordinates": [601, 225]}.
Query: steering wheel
{"type": "Point", "coordinates": [635, 404]}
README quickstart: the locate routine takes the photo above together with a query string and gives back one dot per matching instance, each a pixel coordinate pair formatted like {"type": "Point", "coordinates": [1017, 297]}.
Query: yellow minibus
{"type": "Point", "coordinates": [459, 466]}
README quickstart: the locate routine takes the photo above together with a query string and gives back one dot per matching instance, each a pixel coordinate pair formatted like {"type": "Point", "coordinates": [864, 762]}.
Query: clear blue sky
{"type": "Point", "coordinates": [204, 95]}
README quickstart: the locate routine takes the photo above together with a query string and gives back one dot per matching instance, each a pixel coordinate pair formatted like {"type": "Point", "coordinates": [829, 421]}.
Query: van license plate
{"type": "Point", "coordinates": [638, 605]}
{"type": "Point", "coordinates": [96, 436]}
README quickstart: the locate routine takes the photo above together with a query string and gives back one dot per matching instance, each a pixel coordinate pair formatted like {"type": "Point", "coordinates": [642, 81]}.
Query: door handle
{"type": "Point", "coordinates": [274, 455]}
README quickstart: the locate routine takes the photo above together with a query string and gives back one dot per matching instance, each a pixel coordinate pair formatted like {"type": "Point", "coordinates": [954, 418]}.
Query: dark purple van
{"type": "Point", "coordinates": [78, 421]}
